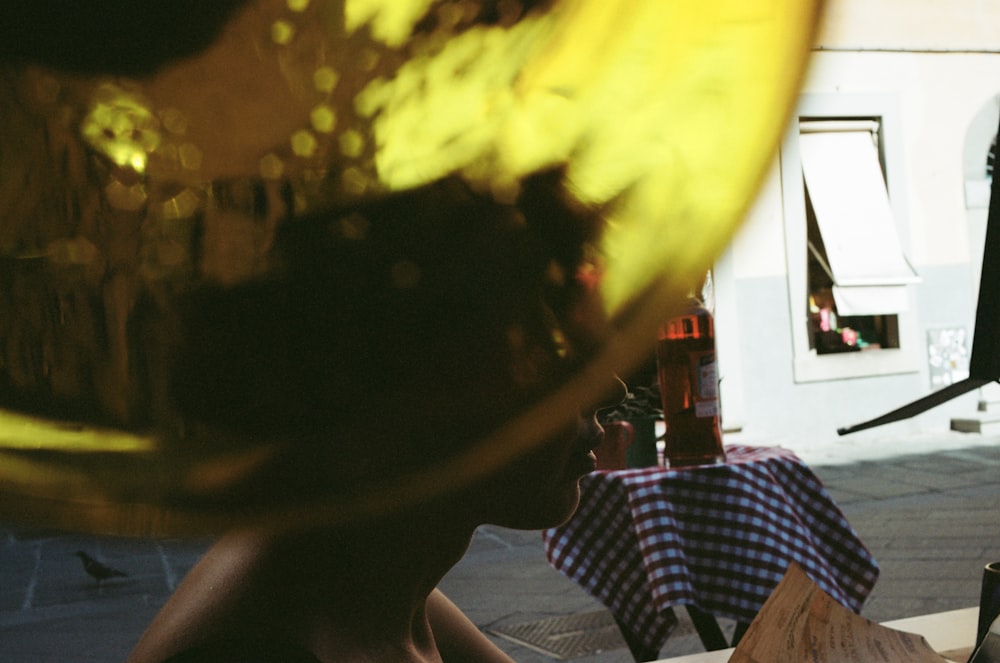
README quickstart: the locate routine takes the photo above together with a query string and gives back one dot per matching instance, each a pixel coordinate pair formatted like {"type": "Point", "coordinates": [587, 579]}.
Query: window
{"type": "Point", "coordinates": [849, 278]}
{"type": "Point", "coordinates": [857, 271]}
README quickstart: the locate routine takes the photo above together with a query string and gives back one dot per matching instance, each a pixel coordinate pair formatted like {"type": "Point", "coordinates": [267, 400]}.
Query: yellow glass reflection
{"type": "Point", "coordinates": [667, 108]}
{"type": "Point", "coordinates": [352, 143]}
{"type": "Point", "coordinates": [189, 156]}
{"type": "Point", "coordinates": [129, 198]}
{"type": "Point", "coordinates": [282, 32]}
{"type": "Point", "coordinates": [325, 79]}
{"type": "Point", "coordinates": [182, 205]}
{"type": "Point", "coordinates": [121, 127]}
{"type": "Point", "coordinates": [303, 143]}
{"type": "Point", "coordinates": [390, 22]}
{"type": "Point", "coordinates": [271, 167]}
{"type": "Point", "coordinates": [664, 113]}
{"type": "Point", "coordinates": [18, 431]}
{"type": "Point", "coordinates": [323, 119]}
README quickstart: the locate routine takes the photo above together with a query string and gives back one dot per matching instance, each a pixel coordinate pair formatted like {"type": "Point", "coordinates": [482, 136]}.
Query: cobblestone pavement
{"type": "Point", "coordinates": [931, 518]}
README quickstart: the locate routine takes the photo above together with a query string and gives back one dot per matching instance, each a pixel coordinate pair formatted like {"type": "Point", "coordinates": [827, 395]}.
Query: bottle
{"type": "Point", "coordinates": [685, 358]}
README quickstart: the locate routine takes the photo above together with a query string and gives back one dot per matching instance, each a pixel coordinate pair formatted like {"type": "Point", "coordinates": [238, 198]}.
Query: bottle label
{"type": "Point", "coordinates": [706, 397]}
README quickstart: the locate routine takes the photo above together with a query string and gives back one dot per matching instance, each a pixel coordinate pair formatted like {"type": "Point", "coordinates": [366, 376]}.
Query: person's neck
{"type": "Point", "coordinates": [365, 587]}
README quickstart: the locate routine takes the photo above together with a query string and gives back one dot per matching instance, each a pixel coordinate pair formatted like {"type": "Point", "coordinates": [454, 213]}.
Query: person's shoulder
{"type": "Point", "coordinates": [214, 604]}
{"type": "Point", "coordinates": [245, 651]}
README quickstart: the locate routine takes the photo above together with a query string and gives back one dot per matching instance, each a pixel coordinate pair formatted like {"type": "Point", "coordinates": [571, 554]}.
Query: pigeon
{"type": "Point", "coordinates": [96, 570]}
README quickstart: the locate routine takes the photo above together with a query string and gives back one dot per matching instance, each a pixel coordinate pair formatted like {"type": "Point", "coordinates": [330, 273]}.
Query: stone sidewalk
{"type": "Point", "coordinates": [931, 517]}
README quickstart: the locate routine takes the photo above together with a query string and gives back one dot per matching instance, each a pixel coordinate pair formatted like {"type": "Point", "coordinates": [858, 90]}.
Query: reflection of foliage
{"type": "Point", "coordinates": [640, 403]}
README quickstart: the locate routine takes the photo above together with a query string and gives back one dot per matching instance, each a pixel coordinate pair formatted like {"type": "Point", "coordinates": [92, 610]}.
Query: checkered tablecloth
{"type": "Point", "coordinates": [719, 537]}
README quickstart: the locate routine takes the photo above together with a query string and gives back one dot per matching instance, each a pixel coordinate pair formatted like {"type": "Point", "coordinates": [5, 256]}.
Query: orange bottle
{"type": "Point", "coordinates": [685, 358]}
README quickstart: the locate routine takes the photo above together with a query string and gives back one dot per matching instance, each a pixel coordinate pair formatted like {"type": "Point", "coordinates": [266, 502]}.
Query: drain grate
{"type": "Point", "coordinates": [566, 637]}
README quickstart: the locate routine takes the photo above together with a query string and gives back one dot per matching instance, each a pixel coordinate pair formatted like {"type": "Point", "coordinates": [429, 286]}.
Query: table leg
{"type": "Point", "coordinates": [741, 629]}
{"type": "Point", "coordinates": [640, 652]}
{"type": "Point", "coordinates": [708, 629]}
{"type": "Point", "coordinates": [705, 624]}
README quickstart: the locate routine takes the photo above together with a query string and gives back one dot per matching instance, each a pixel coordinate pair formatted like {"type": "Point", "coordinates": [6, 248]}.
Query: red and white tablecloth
{"type": "Point", "coordinates": [719, 537]}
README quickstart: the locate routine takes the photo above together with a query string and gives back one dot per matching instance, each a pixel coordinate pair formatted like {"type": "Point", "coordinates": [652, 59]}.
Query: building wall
{"type": "Point", "coordinates": [910, 25]}
{"type": "Point", "coordinates": [943, 68]}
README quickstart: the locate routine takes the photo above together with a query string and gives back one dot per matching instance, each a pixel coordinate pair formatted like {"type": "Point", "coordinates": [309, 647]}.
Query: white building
{"type": "Point", "coordinates": [905, 88]}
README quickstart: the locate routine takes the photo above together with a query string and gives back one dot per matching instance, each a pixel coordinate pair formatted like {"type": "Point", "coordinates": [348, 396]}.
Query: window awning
{"type": "Point", "coordinates": [848, 194]}
{"type": "Point", "coordinates": [871, 299]}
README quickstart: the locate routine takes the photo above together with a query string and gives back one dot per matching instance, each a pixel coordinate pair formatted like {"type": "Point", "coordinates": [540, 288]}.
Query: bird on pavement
{"type": "Point", "coordinates": [96, 570]}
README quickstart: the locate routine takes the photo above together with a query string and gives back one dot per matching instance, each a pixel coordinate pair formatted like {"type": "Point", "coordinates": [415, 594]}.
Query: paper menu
{"type": "Point", "coordinates": [800, 622]}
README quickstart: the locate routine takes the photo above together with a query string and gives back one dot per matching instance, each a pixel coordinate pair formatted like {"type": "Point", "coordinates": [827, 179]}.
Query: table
{"type": "Point", "coordinates": [944, 631]}
{"type": "Point", "coordinates": [715, 538]}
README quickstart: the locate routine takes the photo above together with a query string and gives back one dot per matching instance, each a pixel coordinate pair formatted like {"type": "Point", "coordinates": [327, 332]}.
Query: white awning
{"type": "Point", "coordinates": [848, 194]}
{"type": "Point", "coordinates": [871, 299]}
